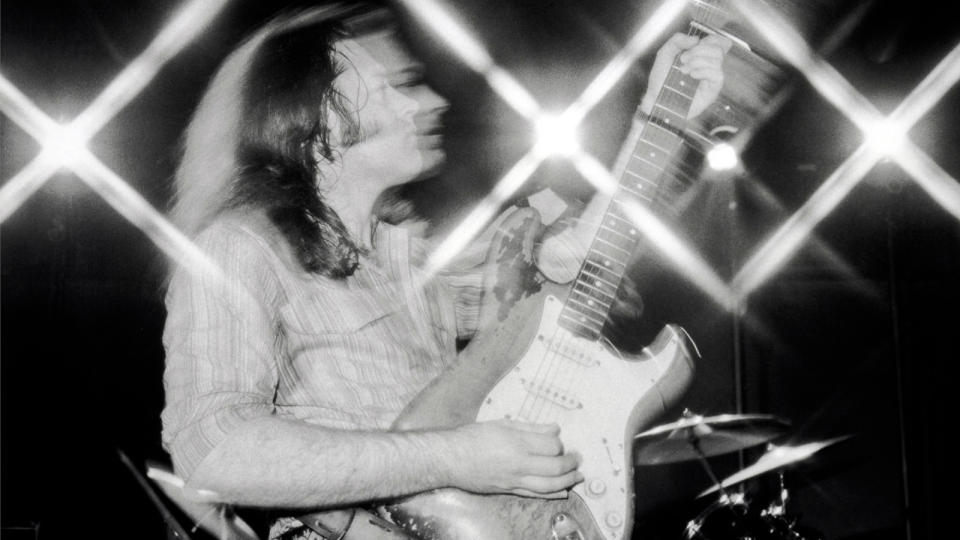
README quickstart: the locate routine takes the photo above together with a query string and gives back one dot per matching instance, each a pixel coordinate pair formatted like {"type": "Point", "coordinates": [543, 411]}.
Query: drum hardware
{"type": "Point", "coordinates": [731, 517]}
{"type": "Point", "coordinates": [774, 522]}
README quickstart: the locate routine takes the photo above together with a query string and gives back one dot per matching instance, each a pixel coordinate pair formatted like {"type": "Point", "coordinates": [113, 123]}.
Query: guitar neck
{"type": "Point", "coordinates": [648, 180]}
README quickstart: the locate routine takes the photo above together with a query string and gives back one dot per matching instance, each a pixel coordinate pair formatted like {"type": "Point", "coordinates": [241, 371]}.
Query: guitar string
{"type": "Point", "coordinates": [541, 389]}
{"type": "Point", "coordinates": [544, 361]}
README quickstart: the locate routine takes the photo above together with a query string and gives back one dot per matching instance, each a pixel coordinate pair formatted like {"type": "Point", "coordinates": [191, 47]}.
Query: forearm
{"type": "Point", "coordinates": [281, 463]}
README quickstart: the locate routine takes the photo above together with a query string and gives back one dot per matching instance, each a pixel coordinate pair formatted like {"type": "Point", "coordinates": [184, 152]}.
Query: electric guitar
{"type": "Point", "coordinates": [541, 358]}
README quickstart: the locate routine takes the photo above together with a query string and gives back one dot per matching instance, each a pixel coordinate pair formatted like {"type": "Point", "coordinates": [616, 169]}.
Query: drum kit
{"type": "Point", "coordinates": [732, 516]}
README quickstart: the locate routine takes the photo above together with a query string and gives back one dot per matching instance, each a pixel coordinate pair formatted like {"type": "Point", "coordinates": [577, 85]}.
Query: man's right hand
{"type": "Point", "coordinates": [507, 456]}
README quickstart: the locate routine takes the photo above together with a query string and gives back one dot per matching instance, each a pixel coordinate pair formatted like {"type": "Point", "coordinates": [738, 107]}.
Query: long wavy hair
{"type": "Point", "coordinates": [256, 136]}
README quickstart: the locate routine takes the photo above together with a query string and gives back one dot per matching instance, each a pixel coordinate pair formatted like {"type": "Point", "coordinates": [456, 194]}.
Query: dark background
{"type": "Point", "coordinates": [855, 336]}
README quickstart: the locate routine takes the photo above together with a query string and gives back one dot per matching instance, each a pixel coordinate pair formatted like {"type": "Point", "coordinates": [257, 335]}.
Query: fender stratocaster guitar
{"type": "Point", "coordinates": [540, 358]}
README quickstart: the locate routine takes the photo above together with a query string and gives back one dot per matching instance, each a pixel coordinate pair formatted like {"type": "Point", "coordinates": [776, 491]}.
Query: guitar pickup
{"type": "Point", "coordinates": [574, 353]}
{"type": "Point", "coordinates": [551, 393]}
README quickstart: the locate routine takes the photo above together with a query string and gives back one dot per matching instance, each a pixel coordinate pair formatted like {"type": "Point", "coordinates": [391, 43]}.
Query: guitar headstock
{"type": "Point", "coordinates": [710, 17]}
{"type": "Point", "coordinates": [713, 14]}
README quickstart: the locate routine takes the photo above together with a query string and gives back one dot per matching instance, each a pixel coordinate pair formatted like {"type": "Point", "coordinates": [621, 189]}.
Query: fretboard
{"type": "Point", "coordinates": [648, 180]}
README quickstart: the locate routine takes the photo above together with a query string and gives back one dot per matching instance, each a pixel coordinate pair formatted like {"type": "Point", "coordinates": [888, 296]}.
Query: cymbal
{"type": "Point", "coordinates": [775, 458]}
{"type": "Point", "coordinates": [695, 436]}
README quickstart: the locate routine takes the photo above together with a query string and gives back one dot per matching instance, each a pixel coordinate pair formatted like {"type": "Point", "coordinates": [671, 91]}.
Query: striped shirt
{"type": "Point", "coordinates": [277, 340]}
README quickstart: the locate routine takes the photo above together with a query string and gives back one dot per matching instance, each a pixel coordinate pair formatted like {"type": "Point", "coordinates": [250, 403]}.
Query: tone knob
{"type": "Point", "coordinates": [596, 487]}
{"type": "Point", "coordinates": [613, 520]}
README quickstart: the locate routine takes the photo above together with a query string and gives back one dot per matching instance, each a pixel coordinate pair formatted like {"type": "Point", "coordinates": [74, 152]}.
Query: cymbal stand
{"type": "Point", "coordinates": [694, 441]}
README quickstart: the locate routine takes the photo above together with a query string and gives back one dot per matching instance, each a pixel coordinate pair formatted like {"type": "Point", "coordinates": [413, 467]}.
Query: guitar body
{"type": "Point", "coordinates": [523, 365]}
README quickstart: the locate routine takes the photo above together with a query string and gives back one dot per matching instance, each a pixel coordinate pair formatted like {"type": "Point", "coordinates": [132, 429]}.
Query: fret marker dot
{"type": "Point", "coordinates": [683, 83]}
{"type": "Point", "coordinates": [583, 319]}
{"type": "Point", "coordinates": [633, 231]}
{"type": "Point", "coordinates": [639, 186]}
{"type": "Point", "coordinates": [606, 263]}
{"type": "Point", "coordinates": [590, 302]}
{"type": "Point", "coordinates": [597, 283]}
{"type": "Point", "coordinates": [666, 120]}
{"type": "Point", "coordinates": [653, 154]}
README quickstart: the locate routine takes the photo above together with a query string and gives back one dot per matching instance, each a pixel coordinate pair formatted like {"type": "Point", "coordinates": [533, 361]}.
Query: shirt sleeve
{"type": "Point", "coordinates": [221, 345]}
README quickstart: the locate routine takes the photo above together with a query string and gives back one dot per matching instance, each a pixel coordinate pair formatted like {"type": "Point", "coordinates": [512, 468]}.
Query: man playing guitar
{"type": "Point", "coordinates": [285, 374]}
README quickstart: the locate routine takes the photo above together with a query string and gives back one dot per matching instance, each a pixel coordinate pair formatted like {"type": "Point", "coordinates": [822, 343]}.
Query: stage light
{"type": "Point", "coordinates": [723, 157]}
{"type": "Point", "coordinates": [884, 137]}
{"type": "Point", "coordinates": [556, 135]}
{"type": "Point", "coordinates": [887, 137]}
{"type": "Point", "coordinates": [64, 146]}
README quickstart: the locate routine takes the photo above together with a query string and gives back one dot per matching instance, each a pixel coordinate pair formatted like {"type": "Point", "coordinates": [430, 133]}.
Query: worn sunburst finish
{"type": "Point", "coordinates": [599, 398]}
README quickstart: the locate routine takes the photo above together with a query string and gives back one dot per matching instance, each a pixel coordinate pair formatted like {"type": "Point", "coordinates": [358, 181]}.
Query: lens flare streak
{"type": "Point", "coordinates": [173, 38]}
{"type": "Point", "coordinates": [481, 214]}
{"type": "Point", "coordinates": [884, 137]}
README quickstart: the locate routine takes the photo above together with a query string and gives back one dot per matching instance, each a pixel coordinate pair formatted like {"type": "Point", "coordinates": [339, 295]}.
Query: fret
{"type": "Point", "coordinates": [614, 246]}
{"type": "Point", "coordinates": [585, 293]}
{"type": "Point", "coordinates": [607, 263]}
{"type": "Point", "coordinates": [611, 232]}
{"type": "Point", "coordinates": [584, 298]}
{"type": "Point", "coordinates": [598, 284]}
{"type": "Point", "coordinates": [599, 280]}
{"type": "Point", "coordinates": [612, 236]}
{"type": "Point", "coordinates": [614, 219]}
{"type": "Point", "coordinates": [609, 272]}
{"type": "Point", "coordinates": [665, 131]}
{"type": "Point", "coordinates": [647, 161]}
{"type": "Point", "coordinates": [585, 288]}
{"type": "Point", "coordinates": [610, 252]}
{"type": "Point", "coordinates": [642, 196]}
{"type": "Point", "coordinates": [616, 232]}
{"type": "Point", "coordinates": [678, 91]}
{"type": "Point", "coordinates": [640, 177]}
{"type": "Point", "coordinates": [601, 305]}
{"type": "Point", "coordinates": [611, 275]}
{"type": "Point", "coordinates": [653, 144]}
{"type": "Point", "coordinates": [666, 136]}
{"type": "Point", "coordinates": [591, 306]}
{"type": "Point", "coordinates": [661, 137]}
{"type": "Point", "coordinates": [582, 316]}
{"type": "Point", "coordinates": [673, 113]}
{"type": "Point", "coordinates": [640, 159]}
{"type": "Point", "coordinates": [651, 178]}
{"type": "Point", "coordinates": [623, 247]}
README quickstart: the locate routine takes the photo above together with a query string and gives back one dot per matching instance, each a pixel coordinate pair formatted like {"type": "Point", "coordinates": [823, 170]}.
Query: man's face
{"type": "Point", "coordinates": [400, 117]}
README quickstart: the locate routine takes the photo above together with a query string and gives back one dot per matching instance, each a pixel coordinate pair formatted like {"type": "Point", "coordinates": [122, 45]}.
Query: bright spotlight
{"type": "Point", "coordinates": [887, 137]}
{"type": "Point", "coordinates": [556, 136]}
{"type": "Point", "coordinates": [722, 157]}
{"type": "Point", "coordinates": [64, 147]}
